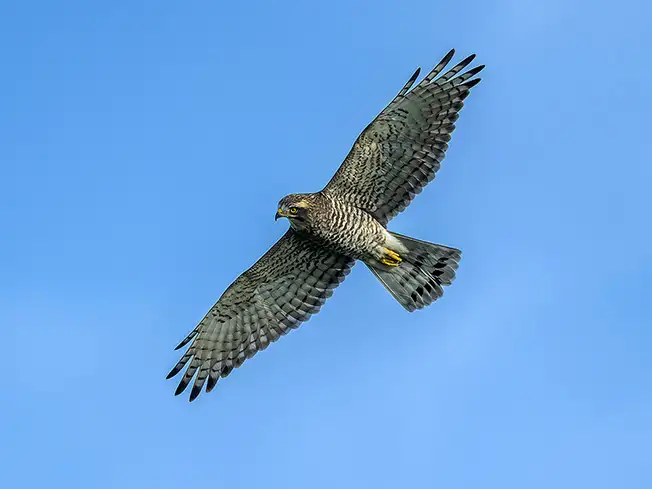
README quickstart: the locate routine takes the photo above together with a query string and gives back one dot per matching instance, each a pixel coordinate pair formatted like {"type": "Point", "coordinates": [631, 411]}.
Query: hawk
{"type": "Point", "coordinates": [390, 162]}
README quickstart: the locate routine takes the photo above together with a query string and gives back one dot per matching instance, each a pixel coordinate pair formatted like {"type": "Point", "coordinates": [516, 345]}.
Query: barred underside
{"type": "Point", "coordinates": [283, 289]}
{"type": "Point", "coordinates": [390, 162]}
{"type": "Point", "coordinates": [401, 150]}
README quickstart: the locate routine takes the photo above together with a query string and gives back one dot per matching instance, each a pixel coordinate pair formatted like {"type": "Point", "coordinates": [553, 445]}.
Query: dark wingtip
{"type": "Point", "coordinates": [188, 338]}
{"type": "Point", "coordinates": [461, 65]}
{"type": "Point", "coordinates": [196, 390]}
{"type": "Point", "coordinates": [446, 59]}
{"type": "Point", "coordinates": [173, 372]}
{"type": "Point", "coordinates": [416, 74]}
{"type": "Point", "coordinates": [476, 70]}
{"type": "Point", "coordinates": [471, 83]}
{"type": "Point", "coordinates": [468, 59]}
{"type": "Point", "coordinates": [180, 388]}
{"type": "Point", "coordinates": [409, 83]}
{"type": "Point", "coordinates": [183, 343]}
{"type": "Point", "coordinates": [212, 382]}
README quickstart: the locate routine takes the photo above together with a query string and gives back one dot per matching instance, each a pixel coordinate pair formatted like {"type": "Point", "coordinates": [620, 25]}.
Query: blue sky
{"type": "Point", "coordinates": [143, 147]}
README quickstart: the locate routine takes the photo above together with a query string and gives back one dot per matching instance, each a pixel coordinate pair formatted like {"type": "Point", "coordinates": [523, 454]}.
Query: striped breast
{"type": "Point", "coordinates": [347, 229]}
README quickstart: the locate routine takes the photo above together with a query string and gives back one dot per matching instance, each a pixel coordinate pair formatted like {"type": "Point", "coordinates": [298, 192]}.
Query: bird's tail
{"type": "Point", "coordinates": [424, 269]}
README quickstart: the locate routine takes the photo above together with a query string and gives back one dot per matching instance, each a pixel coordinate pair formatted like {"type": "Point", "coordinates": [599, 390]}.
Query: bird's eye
{"type": "Point", "coordinates": [293, 210]}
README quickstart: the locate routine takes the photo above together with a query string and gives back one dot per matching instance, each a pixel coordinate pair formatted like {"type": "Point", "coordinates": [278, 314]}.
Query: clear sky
{"type": "Point", "coordinates": [143, 148]}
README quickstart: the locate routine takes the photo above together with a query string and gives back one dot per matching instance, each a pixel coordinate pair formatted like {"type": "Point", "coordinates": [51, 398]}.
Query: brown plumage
{"type": "Point", "coordinates": [390, 162]}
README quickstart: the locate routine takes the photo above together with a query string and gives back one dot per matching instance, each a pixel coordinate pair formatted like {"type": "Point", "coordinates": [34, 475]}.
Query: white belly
{"type": "Point", "coordinates": [394, 244]}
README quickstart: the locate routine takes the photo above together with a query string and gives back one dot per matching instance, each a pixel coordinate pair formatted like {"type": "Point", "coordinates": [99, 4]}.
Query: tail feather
{"type": "Point", "coordinates": [418, 280]}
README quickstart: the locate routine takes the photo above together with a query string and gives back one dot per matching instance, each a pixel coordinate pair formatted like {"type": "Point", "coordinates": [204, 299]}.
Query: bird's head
{"type": "Point", "coordinates": [297, 208]}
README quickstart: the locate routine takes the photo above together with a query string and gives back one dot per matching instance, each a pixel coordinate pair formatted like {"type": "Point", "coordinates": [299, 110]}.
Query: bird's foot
{"type": "Point", "coordinates": [391, 258]}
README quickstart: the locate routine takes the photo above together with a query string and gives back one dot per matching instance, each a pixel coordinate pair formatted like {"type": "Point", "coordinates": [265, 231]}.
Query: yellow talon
{"type": "Point", "coordinates": [391, 258]}
{"type": "Point", "coordinates": [393, 255]}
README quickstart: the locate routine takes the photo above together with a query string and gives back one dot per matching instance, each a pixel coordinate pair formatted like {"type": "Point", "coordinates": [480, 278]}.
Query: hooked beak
{"type": "Point", "coordinates": [279, 213]}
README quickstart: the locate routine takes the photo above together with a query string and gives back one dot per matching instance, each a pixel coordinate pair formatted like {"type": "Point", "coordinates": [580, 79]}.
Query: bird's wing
{"type": "Point", "coordinates": [280, 291]}
{"type": "Point", "coordinates": [401, 150]}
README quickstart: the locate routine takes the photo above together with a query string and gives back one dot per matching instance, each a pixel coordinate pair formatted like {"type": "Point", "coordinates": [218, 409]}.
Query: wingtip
{"type": "Point", "coordinates": [449, 55]}
{"type": "Point", "coordinates": [173, 372]}
{"type": "Point", "coordinates": [465, 62]}
{"type": "Point", "coordinates": [188, 338]}
{"type": "Point", "coordinates": [212, 382]}
{"type": "Point", "coordinates": [196, 390]}
{"type": "Point", "coordinates": [182, 344]}
{"type": "Point", "coordinates": [471, 83]}
{"type": "Point", "coordinates": [414, 76]}
{"type": "Point", "coordinates": [476, 70]}
{"type": "Point", "coordinates": [180, 388]}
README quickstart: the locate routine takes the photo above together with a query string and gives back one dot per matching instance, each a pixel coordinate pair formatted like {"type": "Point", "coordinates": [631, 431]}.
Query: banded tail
{"type": "Point", "coordinates": [417, 280]}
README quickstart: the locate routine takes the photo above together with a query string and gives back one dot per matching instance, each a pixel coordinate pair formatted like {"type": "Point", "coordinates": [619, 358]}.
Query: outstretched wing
{"type": "Point", "coordinates": [280, 291]}
{"type": "Point", "coordinates": [401, 150]}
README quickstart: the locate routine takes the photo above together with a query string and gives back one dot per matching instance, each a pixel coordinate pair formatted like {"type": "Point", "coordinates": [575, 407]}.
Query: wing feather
{"type": "Point", "coordinates": [279, 292]}
{"type": "Point", "coordinates": [402, 149]}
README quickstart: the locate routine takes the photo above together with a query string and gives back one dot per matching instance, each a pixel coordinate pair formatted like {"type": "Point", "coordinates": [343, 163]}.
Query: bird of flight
{"type": "Point", "coordinates": [390, 162]}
